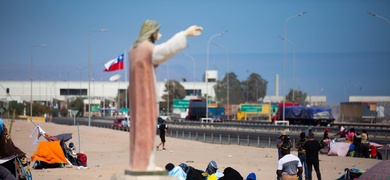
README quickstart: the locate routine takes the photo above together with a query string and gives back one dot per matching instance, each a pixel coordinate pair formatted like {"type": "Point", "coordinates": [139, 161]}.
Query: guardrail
{"type": "Point", "coordinates": [374, 130]}
{"type": "Point", "coordinates": [376, 133]}
{"type": "Point", "coordinates": [248, 134]}
{"type": "Point", "coordinates": [272, 128]}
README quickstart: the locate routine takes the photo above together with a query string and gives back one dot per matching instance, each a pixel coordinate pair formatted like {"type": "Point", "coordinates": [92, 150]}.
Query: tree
{"type": "Point", "coordinates": [235, 90]}
{"type": "Point", "coordinates": [18, 107]}
{"type": "Point", "coordinates": [254, 88]}
{"type": "Point", "coordinates": [122, 98]}
{"type": "Point", "coordinates": [175, 90]}
{"type": "Point", "coordinates": [77, 104]}
{"type": "Point", "coordinates": [299, 96]}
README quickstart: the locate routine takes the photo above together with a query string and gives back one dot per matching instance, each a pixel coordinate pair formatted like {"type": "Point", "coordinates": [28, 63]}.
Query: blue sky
{"type": "Point", "coordinates": [340, 49]}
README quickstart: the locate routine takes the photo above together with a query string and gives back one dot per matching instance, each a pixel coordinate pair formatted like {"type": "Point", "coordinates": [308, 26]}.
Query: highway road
{"type": "Point", "coordinates": [250, 133]}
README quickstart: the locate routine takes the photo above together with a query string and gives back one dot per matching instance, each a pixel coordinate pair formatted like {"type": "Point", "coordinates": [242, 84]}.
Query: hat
{"type": "Point", "coordinates": [326, 129]}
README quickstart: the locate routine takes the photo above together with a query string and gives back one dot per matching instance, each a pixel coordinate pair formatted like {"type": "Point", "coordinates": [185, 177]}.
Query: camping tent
{"type": "Point", "coordinates": [50, 153]}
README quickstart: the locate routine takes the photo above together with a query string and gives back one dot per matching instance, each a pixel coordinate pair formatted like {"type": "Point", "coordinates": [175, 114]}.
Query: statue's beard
{"type": "Point", "coordinates": [152, 39]}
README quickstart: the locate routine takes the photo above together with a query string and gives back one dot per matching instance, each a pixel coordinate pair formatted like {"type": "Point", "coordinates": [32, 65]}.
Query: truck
{"type": "Point", "coordinates": [304, 115]}
{"type": "Point", "coordinates": [358, 111]}
{"type": "Point", "coordinates": [261, 111]}
{"type": "Point", "coordinates": [197, 110]}
{"type": "Point", "coordinates": [216, 113]}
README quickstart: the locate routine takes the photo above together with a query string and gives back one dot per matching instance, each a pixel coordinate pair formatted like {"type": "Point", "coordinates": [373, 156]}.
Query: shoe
{"type": "Point", "coordinates": [164, 149]}
{"type": "Point", "coordinates": [157, 148]}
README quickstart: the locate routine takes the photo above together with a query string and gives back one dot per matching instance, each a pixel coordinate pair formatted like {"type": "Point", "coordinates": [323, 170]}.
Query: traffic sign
{"type": "Point", "coordinates": [180, 103]}
{"type": "Point", "coordinates": [125, 110]}
{"type": "Point", "coordinates": [251, 108]}
{"type": "Point", "coordinates": [94, 108]}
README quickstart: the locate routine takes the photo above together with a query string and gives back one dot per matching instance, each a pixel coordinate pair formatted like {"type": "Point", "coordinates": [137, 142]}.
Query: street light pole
{"type": "Point", "coordinates": [247, 88]}
{"type": "Point", "coordinates": [284, 66]}
{"type": "Point", "coordinates": [292, 43]}
{"type": "Point", "coordinates": [31, 74]}
{"type": "Point", "coordinates": [80, 79]}
{"type": "Point", "coordinates": [167, 82]}
{"type": "Point", "coordinates": [193, 60]}
{"type": "Point", "coordinates": [89, 72]}
{"type": "Point", "coordinates": [207, 68]}
{"type": "Point", "coordinates": [227, 73]}
{"type": "Point", "coordinates": [375, 15]}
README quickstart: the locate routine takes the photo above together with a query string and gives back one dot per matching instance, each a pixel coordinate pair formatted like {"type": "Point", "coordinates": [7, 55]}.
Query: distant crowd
{"type": "Point", "coordinates": [185, 172]}
{"type": "Point", "coordinates": [359, 142]}
{"type": "Point", "coordinates": [289, 166]}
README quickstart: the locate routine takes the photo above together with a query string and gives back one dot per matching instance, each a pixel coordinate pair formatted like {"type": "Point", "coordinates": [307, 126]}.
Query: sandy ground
{"type": "Point", "coordinates": [108, 154]}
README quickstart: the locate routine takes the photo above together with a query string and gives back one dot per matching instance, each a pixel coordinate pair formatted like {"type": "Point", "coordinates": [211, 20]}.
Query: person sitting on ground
{"type": "Point", "coordinates": [231, 174]}
{"type": "Point", "coordinates": [192, 173]}
{"type": "Point", "coordinates": [175, 171]}
{"type": "Point", "coordinates": [289, 166]}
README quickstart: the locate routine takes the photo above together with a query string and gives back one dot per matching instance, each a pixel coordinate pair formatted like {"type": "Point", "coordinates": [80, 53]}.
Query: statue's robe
{"type": "Point", "coordinates": [143, 94]}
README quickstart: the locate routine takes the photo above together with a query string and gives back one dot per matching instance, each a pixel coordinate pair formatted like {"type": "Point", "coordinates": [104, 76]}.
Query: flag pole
{"type": "Point", "coordinates": [124, 69]}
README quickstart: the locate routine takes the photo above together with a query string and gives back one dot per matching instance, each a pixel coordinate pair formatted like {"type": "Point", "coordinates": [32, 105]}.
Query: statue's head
{"type": "Point", "coordinates": [149, 31]}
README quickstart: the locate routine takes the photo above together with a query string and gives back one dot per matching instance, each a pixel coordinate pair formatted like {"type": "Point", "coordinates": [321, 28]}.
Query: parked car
{"type": "Point", "coordinates": [121, 122]}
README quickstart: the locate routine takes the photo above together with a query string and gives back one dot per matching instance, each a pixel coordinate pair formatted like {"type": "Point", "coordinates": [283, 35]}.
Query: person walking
{"type": "Point", "coordinates": [289, 166]}
{"type": "Point", "coordinates": [163, 128]}
{"type": "Point", "coordinates": [312, 148]}
{"type": "Point", "coordinates": [302, 154]}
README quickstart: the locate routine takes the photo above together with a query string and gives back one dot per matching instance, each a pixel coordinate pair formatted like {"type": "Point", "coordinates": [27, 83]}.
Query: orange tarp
{"type": "Point", "coordinates": [50, 152]}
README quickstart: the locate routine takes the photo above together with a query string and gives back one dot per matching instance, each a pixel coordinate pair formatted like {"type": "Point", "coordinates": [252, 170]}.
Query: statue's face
{"type": "Point", "coordinates": [155, 36]}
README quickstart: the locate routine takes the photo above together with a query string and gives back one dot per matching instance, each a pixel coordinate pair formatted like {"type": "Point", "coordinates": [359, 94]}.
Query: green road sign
{"type": "Point", "coordinates": [180, 104]}
{"type": "Point", "coordinates": [274, 108]}
{"type": "Point", "coordinates": [251, 108]}
{"type": "Point", "coordinates": [124, 109]}
{"type": "Point", "coordinates": [94, 108]}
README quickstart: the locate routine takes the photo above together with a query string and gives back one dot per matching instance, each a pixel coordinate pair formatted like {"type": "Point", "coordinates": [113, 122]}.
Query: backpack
{"type": "Point", "coordinates": [82, 158]}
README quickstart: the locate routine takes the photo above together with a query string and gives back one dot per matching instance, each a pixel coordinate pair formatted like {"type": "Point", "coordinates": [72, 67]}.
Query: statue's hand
{"type": "Point", "coordinates": [193, 31]}
{"type": "Point", "coordinates": [159, 35]}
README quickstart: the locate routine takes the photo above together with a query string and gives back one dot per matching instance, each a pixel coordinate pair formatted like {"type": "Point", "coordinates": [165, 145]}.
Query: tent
{"type": "Point", "coordinates": [49, 154]}
{"type": "Point", "coordinates": [54, 153]}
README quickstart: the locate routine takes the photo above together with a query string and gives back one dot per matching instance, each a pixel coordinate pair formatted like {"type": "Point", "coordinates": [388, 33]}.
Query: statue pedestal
{"type": "Point", "coordinates": [143, 175]}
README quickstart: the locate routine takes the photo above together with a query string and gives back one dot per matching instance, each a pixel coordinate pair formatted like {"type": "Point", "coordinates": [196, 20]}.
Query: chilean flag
{"type": "Point", "coordinates": [115, 64]}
